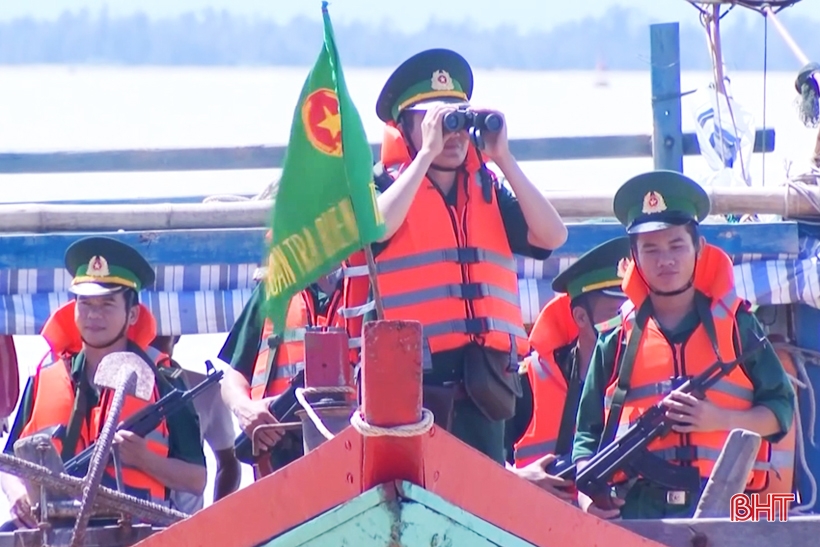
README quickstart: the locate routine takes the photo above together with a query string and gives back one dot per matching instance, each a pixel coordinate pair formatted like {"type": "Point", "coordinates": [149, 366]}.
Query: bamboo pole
{"type": "Point", "coordinates": [40, 217]}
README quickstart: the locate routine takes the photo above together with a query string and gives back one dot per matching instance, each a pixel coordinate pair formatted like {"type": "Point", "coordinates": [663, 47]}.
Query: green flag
{"type": "Point", "coordinates": [325, 206]}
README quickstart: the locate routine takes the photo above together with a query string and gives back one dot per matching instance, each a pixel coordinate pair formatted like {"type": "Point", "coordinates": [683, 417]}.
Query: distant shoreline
{"type": "Point", "coordinates": [617, 40]}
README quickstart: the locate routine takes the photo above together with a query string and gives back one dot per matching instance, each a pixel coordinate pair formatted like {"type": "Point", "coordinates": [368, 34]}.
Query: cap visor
{"type": "Point", "coordinates": [646, 227]}
{"type": "Point", "coordinates": [614, 292]}
{"type": "Point", "coordinates": [95, 289]}
{"type": "Point", "coordinates": [430, 103]}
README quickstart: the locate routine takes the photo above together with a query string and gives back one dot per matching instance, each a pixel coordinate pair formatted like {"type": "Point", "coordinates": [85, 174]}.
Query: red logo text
{"type": "Point", "coordinates": [743, 508]}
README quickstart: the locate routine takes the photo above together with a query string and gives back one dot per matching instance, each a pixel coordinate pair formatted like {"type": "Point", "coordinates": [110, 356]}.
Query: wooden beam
{"type": "Point", "coordinates": [724, 533]}
{"type": "Point", "coordinates": [730, 474]}
{"type": "Point", "coordinates": [271, 157]}
{"type": "Point", "coordinates": [245, 246]}
{"type": "Point", "coordinates": [667, 144]}
{"type": "Point", "coordinates": [41, 217]}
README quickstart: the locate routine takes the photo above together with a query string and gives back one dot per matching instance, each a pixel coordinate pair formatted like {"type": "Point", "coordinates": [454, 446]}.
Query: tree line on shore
{"type": "Point", "coordinates": [618, 39]}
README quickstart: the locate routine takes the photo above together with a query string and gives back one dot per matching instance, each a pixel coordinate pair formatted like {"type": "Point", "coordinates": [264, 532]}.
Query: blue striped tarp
{"type": "Point", "coordinates": [208, 299]}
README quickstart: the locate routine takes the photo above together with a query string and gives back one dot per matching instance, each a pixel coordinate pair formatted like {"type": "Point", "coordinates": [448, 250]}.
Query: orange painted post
{"type": "Point", "coordinates": [391, 396]}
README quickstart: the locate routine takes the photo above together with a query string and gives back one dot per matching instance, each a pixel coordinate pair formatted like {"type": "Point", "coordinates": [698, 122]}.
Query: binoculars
{"type": "Point", "coordinates": [463, 118]}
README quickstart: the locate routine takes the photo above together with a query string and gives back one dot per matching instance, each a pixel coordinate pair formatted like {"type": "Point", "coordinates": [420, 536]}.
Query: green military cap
{"type": "Point", "coordinates": [103, 265]}
{"type": "Point", "coordinates": [601, 269]}
{"type": "Point", "coordinates": [658, 200]}
{"type": "Point", "coordinates": [432, 75]}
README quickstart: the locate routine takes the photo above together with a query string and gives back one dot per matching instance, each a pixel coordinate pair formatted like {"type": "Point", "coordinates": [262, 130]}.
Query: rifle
{"type": "Point", "coordinates": [148, 419]}
{"type": "Point", "coordinates": [629, 454]}
{"type": "Point", "coordinates": [283, 409]}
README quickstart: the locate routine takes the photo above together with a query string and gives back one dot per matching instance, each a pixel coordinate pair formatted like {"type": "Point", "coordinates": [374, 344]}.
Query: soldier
{"type": "Point", "coordinates": [446, 258]}
{"type": "Point", "coordinates": [106, 317]}
{"type": "Point", "coordinates": [563, 338]}
{"type": "Point", "coordinates": [682, 315]}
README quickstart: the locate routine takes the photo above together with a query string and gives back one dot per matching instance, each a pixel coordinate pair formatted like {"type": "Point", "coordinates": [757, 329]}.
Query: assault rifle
{"type": "Point", "coordinates": [283, 409]}
{"type": "Point", "coordinates": [148, 419]}
{"type": "Point", "coordinates": [628, 454]}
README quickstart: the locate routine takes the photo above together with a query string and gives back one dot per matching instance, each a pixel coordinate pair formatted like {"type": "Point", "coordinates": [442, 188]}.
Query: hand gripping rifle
{"type": "Point", "coordinates": [283, 409]}
{"type": "Point", "coordinates": [148, 419]}
{"type": "Point", "coordinates": [628, 454]}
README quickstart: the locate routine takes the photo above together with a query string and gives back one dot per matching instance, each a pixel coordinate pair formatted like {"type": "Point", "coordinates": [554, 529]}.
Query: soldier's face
{"type": "Point", "coordinates": [100, 319]}
{"type": "Point", "coordinates": [456, 144]}
{"type": "Point", "coordinates": [606, 307]}
{"type": "Point", "coordinates": [667, 258]}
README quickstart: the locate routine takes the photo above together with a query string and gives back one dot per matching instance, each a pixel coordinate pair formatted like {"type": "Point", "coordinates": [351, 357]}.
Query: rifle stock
{"type": "Point", "coordinates": [148, 419]}
{"type": "Point", "coordinates": [283, 408]}
{"type": "Point", "coordinates": [629, 454]}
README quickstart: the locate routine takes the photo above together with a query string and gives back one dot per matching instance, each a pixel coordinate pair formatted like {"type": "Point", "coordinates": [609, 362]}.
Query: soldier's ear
{"type": "Point", "coordinates": [579, 315]}
{"type": "Point", "coordinates": [133, 315]}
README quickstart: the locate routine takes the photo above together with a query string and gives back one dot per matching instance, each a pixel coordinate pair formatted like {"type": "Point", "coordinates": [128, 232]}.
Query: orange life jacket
{"type": "Point", "coordinates": [290, 352]}
{"type": "Point", "coordinates": [781, 479]}
{"type": "Point", "coordinates": [554, 329]}
{"type": "Point", "coordinates": [54, 397]}
{"type": "Point", "coordinates": [656, 363]}
{"type": "Point", "coordinates": [450, 268]}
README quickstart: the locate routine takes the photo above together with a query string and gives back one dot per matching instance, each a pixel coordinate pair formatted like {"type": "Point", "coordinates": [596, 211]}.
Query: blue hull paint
{"type": "Point", "coordinates": [412, 518]}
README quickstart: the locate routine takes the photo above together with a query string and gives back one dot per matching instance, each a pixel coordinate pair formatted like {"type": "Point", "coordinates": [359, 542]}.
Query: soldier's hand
{"type": "Point", "coordinates": [536, 474]}
{"type": "Point", "coordinates": [133, 448]}
{"type": "Point", "coordinates": [496, 144]}
{"type": "Point", "coordinates": [588, 506]}
{"type": "Point", "coordinates": [255, 413]}
{"type": "Point", "coordinates": [693, 414]}
{"type": "Point", "coordinates": [21, 510]}
{"type": "Point", "coordinates": [432, 130]}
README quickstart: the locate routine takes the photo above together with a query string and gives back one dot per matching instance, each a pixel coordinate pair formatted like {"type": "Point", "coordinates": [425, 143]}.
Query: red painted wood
{"type": "Point", "coordinates": [468, 479]}
{"type": "Point", "coordinates": [324, 478]}
{"type": "Point", "coordinates": [391, 396]}
{"type": "Point", "coordinates": [326, 359]}
{"type": "Point", "coordinates": [9, 376]}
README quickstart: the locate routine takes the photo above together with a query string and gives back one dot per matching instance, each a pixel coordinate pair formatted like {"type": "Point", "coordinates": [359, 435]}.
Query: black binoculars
{"type": "Point", "coordinates": [463, 118]}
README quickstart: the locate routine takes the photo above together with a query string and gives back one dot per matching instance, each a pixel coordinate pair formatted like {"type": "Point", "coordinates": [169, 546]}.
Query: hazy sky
{"type": "Point", "coordinates": [525, 14]}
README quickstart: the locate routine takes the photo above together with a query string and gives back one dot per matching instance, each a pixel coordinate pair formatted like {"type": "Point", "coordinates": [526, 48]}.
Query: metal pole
{"type": "Point", "coordinates": [667, 140]}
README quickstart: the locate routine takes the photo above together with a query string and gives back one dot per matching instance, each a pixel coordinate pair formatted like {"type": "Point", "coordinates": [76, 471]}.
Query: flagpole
{"type": "Point", "coordinates": [371, 273]}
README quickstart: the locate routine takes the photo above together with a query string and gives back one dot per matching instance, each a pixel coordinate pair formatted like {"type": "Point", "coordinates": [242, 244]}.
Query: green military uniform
{"type": "Point", "coordinates": [441, 75]}
{"type": "Point", "coordinates": [102, 266]}
{"type": "Point", "coordinates": [598, 271]}
{"type": "Point", "coordinates": [671, 200]}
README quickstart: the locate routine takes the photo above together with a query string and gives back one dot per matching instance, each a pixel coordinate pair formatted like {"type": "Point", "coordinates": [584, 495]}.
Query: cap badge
{"type": "Point", "coordinates": [441, 81]}
{"type": "Point", "coordinates": [623, 265]}
{"type": "Point", "coordinates": [98, 267]}
{"type": "Point", "coordinates": [653, 203]}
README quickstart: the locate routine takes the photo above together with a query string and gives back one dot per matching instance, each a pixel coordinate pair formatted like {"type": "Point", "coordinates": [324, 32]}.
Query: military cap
{"type": "Point", "coordinates": [658, 200]}
{"type": "Point", "coordinates": [601, 269]}
{"type": "Point", "coordinates": [432, 75]}
{"type": "Point", "coordinates": [102, 265]}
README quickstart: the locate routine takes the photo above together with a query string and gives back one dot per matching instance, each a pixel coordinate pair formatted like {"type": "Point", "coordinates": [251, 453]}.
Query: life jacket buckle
{"type": "Point", "coordinates": [472, 291]}
{"type": "Point", "coordinates": [467, 255]}
{"type": "Point", "coordinates": [477, 325]}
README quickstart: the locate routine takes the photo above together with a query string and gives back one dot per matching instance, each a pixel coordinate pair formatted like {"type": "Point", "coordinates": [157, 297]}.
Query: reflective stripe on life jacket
{"type": "Point", "coordinates": [554, 329]}
{"type": "Point", "coordinates": [656, 362]}
{"type": "Point", "coordinates": [450, 268]}
{"type": "Point", "coordinates": [781, 479]}
{"type": "Point", "coordinates": [53, 397]}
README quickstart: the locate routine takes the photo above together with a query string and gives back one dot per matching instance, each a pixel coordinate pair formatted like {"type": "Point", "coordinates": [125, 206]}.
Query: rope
{"type": "Point", "coordinates": [317, 421]}
{"type": "Point", "coordinates": [410, 430]}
